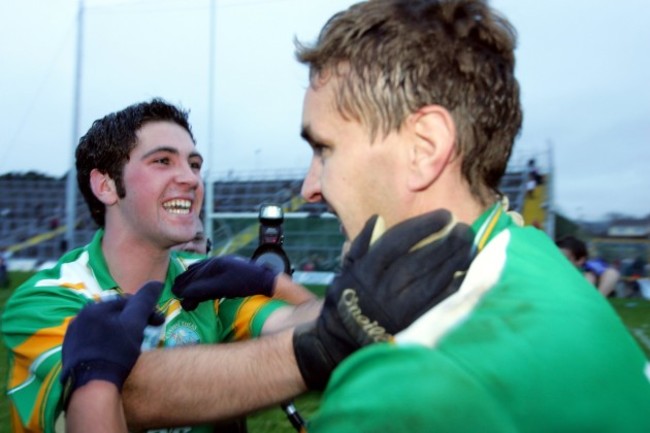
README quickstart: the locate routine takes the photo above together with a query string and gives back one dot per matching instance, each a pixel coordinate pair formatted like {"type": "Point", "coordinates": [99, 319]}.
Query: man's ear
{"type": "Point", "coordinates": [103, 187]}
{"type": "Point", "coordinates": [432, 147]}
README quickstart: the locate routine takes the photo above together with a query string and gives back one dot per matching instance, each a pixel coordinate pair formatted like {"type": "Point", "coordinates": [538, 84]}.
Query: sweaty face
{"type": "Point", "coordinates": [357, 178]}
{"type": "Point", "coordinates": [164, 190]}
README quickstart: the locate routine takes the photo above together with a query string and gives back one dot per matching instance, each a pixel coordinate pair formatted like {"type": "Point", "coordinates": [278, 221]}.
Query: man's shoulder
{"type": "Point", "coordinates": [531, 275]}
{"type": "Point", "coordinates": [519, 248]}
{"type": "Point", "coordinates": [70, 280]}
{"type": "Point", "coordinates": [55, 272]}
{"type": "Point", "coordinates": [532, 250]}
{"type": "Point", "coordinates": [404, 381]}
{"type": "Point", "coordinates": [523, 263]}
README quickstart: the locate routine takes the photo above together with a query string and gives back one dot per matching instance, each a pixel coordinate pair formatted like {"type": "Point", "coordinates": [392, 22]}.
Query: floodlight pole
{"type": "Point", "coordinates": [550, 192]}
{"type": "Point", "coordinates": [209, 183]}
{"type": "Point", "coordinates": [71, 184]}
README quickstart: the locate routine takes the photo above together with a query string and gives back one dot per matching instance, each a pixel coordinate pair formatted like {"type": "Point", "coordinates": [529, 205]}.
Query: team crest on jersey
{"type": "Point", "coordinates": [182, 334]}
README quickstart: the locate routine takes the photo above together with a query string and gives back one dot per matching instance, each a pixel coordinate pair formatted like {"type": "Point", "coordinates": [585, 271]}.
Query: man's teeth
{"type": "Point", "coordinates": [178, 206]}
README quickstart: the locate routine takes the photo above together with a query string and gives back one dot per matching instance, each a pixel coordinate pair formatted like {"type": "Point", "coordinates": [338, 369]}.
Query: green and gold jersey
{"type": "Point", "coordinates": [525, 345]}
{"type": "Point", "coordinates": [38, 313]}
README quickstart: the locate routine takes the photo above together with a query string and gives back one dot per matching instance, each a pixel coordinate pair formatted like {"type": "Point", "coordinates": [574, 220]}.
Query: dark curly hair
{"type": "Point", "coordinates": [577, 247]}
{"type": "Point", "coordinates": [109, 142]}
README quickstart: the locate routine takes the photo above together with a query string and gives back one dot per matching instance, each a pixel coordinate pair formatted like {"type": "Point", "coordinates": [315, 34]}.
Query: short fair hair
{"type": "Point", "coordinates": [398, 56]}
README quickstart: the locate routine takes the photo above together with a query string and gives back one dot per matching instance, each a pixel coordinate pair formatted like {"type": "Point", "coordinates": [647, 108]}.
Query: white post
{"type": "Point", "coordinates": [209, 192]}
{"type": "Point", "coordinates": [550, 193]}
{"type": "Point", "coordinates": [71, 182]}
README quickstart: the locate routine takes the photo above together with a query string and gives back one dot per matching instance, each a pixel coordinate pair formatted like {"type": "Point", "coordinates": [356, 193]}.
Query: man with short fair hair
{"type": "Point", "coordinates": [413, 106]}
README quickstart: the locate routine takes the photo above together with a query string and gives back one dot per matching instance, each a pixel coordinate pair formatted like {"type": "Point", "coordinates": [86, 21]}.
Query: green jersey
{"type": "Point", "coordinates": [525, 345]}
{"type": "Point", "coordinates": [38, 313]}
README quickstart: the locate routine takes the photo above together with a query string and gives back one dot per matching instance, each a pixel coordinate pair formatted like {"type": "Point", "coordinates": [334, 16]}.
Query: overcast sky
{"type": "Point", "coordinates": [583, 66]}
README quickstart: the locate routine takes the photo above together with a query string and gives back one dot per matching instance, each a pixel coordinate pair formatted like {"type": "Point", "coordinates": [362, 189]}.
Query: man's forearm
{"type": "Point", "coordinates": [206, 383]}
{"type": "Point", "coordinates": [95, 407]}
{"type": "Point", "coordinates": [291, 316]}
{"type": "Point", "coordinates": [290, 291]}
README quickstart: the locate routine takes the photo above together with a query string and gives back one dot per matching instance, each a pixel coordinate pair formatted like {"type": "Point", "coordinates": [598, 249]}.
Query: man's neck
{"type": "Point", "coordinates": [456, 198]}
{"type": "Point", "coordinates": [132, 262]}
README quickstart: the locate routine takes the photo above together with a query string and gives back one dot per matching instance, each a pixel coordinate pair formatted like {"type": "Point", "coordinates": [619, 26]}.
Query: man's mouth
{"type": "Point", "coordinates": [342, 229]}
{"type": "Point", "coordinates": [331, 210]}
{"type": "Point", "coordinates": [178, 206]}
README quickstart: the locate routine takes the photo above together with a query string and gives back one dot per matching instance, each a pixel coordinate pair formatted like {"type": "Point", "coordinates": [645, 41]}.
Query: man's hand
{"type": "Point", "coordinates": [388, 280]}
{"type": "Point", "coordinates": [103, 341]}
{"type": "Point", "coordinates": [222, 277]}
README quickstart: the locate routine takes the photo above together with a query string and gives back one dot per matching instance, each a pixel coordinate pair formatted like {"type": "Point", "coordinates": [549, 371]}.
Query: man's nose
{"type": "Point", "coordinates": [187, 175]}
{"type": "Point", "coordinates": [311, 186]}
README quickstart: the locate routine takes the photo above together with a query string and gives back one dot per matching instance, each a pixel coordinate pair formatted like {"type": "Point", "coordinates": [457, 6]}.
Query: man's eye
{"type": "Point", "coordinates": [318, 149]}
{"type": "Point", "coordinates": [196, 165]}
{"type": "Point", "coordinates": [163, 161]}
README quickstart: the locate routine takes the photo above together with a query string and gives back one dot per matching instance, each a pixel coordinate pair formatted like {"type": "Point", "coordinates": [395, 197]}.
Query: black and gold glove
{"type": "Point", "coordinates": [389, 279]}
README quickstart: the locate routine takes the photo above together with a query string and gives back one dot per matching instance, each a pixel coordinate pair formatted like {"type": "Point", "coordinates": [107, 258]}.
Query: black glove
{"type": "Point", "coordinates": [103, 341]}
{"type": "Point", "coordinates": [383, 287]}
{"type": "Point", "coordinates": [222, 277]}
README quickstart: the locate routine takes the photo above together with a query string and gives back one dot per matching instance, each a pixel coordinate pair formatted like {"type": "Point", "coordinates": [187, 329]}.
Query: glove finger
{"type": "Point", "coordinates": [156, 318]}
{"type": "Point", "coordinates": [105, 307]}
{"type": "Point", "coordinates": [189, 304]}
{"type": "Point", "coordinates": [99, 311]}
{"type": "Point", "coordinates": [424, 278]}
{"type": "Point", "coordinates": [360, 244]}
{"type": "Point", "coordinates": [205, 269]}
{"type": "Point", "coordinates": [444, 258]}
{"type": "Point", "coordinates": [140, 306]}
{"type": "Point", "coordinates": [192, 272]}
{"type": "Point", "coordinates": [199, 291]}
{"type": "Point", "coordinates": [401, 238]}
{"type": "Point", "coordinates": [437, 254]}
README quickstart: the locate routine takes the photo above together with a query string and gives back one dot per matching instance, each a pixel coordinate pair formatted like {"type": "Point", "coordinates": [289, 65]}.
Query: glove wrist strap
{"type": "Point", "coordinates": [86, 371]}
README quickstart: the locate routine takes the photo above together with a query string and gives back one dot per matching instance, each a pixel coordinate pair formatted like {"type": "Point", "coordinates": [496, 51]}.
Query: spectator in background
{"type": "Point", "coordinates": [4, 269]}
{"type": "Point", "coordinates": [199, 244]}
{"type": "Point", "coordinates": [530, 186]}
{"type": "Point", "coordinates": [597, 271]}
{"type": "Point", "coordinates": [637, 269]}
{"type": "Point", "coordinates": [535, 179]}
{"type": "Point", "coordinates": [534, 173]}
{"type": "Point", "coordinates": [308, 266]}
{"type": "Point", "coordinates": [635, 278]}
{"type": "Point", "coordinates": [54, 223]}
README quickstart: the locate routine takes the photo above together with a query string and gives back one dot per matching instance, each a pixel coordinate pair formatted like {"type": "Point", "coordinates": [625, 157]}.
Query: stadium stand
{"type": "Point", "coordinates": [513, 185]}
{"type": "Point", "coordinates": [32, 216]}
{"type": "Point", "coordinates": [32, 210]}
